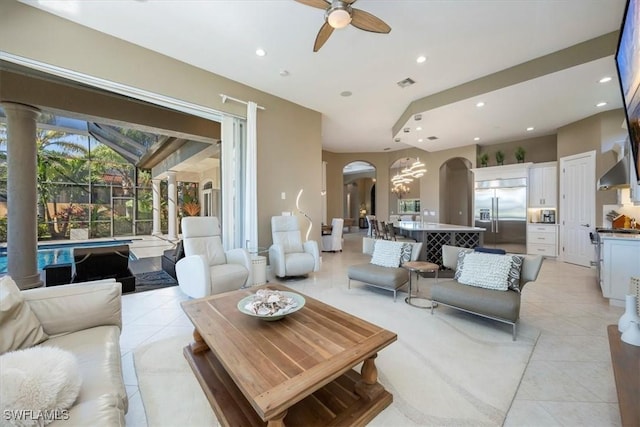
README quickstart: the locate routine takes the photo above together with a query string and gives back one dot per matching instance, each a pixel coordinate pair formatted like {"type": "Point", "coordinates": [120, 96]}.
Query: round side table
{"type": "Point", "coordinates": [420, 267]}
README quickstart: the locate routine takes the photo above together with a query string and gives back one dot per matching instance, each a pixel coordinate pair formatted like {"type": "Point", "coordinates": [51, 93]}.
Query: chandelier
{"type": "Point", "coordinates": [400, 181]}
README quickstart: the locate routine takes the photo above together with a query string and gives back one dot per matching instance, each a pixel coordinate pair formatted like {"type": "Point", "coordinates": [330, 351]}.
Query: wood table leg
{"type": "Point", "coordinates": [198, 345]}
{"type": "Point", "coordinates": [277, 421]}
{"type": "Point", "coordinates": [369, 388]}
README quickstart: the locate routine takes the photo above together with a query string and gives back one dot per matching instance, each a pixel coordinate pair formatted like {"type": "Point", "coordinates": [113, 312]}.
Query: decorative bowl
{"type": "Point", "coordinates": [299, 300]}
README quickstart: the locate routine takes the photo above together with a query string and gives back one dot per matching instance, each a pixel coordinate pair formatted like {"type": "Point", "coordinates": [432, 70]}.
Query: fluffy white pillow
{"type": "Point", "coordinates": [486, 271]}
{"type": "Point", "coordinates": [386, 253]}
{"type": "Point", "coordinates": [45, 380]}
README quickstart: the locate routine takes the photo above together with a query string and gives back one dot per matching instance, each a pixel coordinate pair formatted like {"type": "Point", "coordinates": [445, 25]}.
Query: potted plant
{"type": "Point", "coordinates": [520, 154]}
{"type": "Point", "coordinates": [499, 158]}
{"type": "Point", "coordinates": [483, 159]}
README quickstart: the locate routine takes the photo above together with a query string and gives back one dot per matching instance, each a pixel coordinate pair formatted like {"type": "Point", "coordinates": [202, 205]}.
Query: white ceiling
{"type": "Point", "coordinates": [463, 40]}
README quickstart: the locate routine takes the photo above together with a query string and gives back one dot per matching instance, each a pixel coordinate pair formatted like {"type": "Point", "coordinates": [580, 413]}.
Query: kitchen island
{"type": "Point", "coordinates": [434, 235]}
{"type": "Point", "coordinates": [619, 261]}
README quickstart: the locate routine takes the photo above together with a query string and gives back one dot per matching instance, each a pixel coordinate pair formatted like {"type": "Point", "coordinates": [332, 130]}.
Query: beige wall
{"type": "Point", "coordinates": [586, 135]}
{"type": "Point", "coordinates": [429, 183]}
{"type": "Point", "coordinates": [537, 150]}
{"type": "Point", "coordinates": [289, 139]}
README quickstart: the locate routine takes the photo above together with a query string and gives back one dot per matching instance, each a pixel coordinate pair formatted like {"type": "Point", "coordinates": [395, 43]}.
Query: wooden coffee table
{"type": "Point", "coordinates": [293, 371]}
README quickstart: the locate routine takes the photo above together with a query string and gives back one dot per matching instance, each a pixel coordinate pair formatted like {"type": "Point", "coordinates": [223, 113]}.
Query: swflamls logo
{"type": "Point", "coordinates": [35, 414]}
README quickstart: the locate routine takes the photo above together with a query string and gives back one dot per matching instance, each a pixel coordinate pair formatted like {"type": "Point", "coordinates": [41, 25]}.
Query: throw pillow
{"type": "Point", "coordinates": [514, 273]}
{"type": "Point", "coordinates": [19, 326]}
{"type": "Point", "coordinates": [460, 264]}
{"type": "Point", "coordinates": [405, 253]}
{"type": "Point", "coordinates": [386, 253]}
{"type": "Point", "coordinates": [45, 380]}
{"type": "Point", "coordinates": [490, 250]}
{"type": "Point", "coordinates": [486, 271]}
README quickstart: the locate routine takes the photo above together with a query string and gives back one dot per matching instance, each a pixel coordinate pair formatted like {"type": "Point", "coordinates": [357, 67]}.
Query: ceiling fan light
{"type": "Point", "coordinates": [339, 18]}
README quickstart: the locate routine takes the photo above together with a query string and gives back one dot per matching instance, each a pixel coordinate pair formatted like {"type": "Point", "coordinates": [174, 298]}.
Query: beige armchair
{"type": "Point", "coordinates": [207, 268]}
{"type": "Point", "coordinates": [288, 255]}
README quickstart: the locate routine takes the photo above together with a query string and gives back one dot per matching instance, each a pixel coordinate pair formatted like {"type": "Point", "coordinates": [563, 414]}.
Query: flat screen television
{"type": "Point", "coordinates": [628, 66]}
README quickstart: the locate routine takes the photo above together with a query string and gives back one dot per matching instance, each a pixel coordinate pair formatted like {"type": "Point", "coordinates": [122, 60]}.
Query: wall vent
{"type": "Point", "coordinates": [406, 82]}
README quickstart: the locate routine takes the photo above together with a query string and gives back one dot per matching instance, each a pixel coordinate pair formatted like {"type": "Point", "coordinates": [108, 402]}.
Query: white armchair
{"type": "Point", "coordinates": [288, 255]}
{"type": "Point", "coordinates": [333, 241]}
{"type": "Point", "coordinates": [206, 268]}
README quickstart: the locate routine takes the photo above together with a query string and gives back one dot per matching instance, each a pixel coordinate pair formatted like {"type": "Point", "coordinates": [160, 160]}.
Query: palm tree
{"type": "Point", "coordinates": [55, 163]}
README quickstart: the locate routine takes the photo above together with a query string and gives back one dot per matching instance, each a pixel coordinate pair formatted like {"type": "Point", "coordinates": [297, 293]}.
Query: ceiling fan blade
{"type": "Point", "coordinates": [323, 36]}
{"type": "Point", "coordinates": [368, 22]}
{"type": "Point", "coordinates": [349, 1]}
{"type": "Point", "coordinates": [320, 4]}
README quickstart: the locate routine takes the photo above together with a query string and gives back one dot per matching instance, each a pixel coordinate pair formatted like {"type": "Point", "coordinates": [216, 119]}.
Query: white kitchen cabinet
{"type": "Point", "coordinates": [620, 262]}
{"type": "Point", "coordinates": [543, 192]}
{"type": "Point", "coordinates": [542, 240]}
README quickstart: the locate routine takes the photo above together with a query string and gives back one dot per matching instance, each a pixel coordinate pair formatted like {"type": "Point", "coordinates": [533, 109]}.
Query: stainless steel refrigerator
{"type": "Point", "coordinates": [500, 207]}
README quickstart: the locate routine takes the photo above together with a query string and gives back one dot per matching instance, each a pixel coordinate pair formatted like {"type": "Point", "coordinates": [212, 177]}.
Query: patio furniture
{"type": "Point", "coordinates": [103, 262]}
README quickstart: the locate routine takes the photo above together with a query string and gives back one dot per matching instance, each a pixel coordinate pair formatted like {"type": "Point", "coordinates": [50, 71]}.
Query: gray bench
{"type": "Point", "coordinates": [503, 306]}
{"type": "Point", "coordinates": [389, 278]}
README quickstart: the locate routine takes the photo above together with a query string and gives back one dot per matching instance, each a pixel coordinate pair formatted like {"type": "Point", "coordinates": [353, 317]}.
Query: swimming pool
{"type": "Point", "coordinates": [59, 253]}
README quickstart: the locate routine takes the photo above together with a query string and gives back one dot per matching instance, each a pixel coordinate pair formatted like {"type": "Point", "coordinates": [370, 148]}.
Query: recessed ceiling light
{"type": "Point", "coordinates": [284, 73]}
{"type": "Point", "coordinates": [261, 52]}
{"type": "Point", "coordinates": [418, 128]}
{"type": "Point", "coordinates": [420, 59]}
{"type": "Point", "coordinates": [530, 128]}
{"type": "Point", "coordinates": [346, 93]}
{"type": "Point", "coordinates": [477, 138]}
{"type": "Point", "coordinates": [601, 104]}
{"type": "Point", "coordinates": [605, 79]}
{"type": "Point", "coordinates": [480, 104]}
{"type": "Point", "coordinates": [420, 140]}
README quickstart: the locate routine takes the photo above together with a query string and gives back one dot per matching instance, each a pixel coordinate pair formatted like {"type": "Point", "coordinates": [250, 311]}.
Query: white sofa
{"type": "Point", "coordinates": [84, 319]}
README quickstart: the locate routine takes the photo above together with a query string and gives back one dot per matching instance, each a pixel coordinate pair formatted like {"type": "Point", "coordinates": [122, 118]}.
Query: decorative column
{"type": "Point", "coordinates": [155, 189]}
{"type": "Point", "coordinates": [173, 206]}
{"type": "Point", "coordinates": [22, 226]}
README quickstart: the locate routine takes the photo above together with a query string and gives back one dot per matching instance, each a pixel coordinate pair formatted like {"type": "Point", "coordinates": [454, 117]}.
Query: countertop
{"type": "Point", "coordinates": [435, 227]}
{"type": "Point", "coordinates": [620, 236]}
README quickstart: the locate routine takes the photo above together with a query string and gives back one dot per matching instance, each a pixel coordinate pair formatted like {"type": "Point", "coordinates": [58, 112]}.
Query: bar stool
{"type": "Point", "coordinates": [419, 267]}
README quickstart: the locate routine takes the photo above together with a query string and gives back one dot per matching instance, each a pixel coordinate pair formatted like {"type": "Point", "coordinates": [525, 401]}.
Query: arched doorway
{"type": "Point", "coordinates": [456, 192]}
{"type": "Point", "coordinates": [359, 181]}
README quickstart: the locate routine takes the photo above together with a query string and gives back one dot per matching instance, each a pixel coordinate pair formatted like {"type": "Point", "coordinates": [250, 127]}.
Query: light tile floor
{"type": "Point", "coordinates": [568, 381]}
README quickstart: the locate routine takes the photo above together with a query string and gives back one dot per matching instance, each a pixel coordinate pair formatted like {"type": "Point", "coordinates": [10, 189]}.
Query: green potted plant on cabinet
{"type": "Point", "coordinates": [520, 154]}
{"type": "Point", "coordinates": [483, 159]}
{"type": "Point", "coordinates": [499, 158]}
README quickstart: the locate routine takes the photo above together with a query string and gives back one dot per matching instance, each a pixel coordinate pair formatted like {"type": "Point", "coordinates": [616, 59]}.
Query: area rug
{"type": "Point", "coordinates": [446, 369]}
{"type": "Point", "coordinates": [154, 280]}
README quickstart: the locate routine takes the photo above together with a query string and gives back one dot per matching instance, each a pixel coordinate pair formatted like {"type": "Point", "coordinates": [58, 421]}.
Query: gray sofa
{"type": "Point", "coordinates": [389, 278]}
{"type": "Point", "coordinates": [503, 306]}
{"type": "Point", "coordinates": [86, 319]}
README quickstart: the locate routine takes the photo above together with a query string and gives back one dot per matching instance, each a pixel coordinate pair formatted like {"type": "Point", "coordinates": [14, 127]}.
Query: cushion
{"type": "Point", "coordinates": [19, 326]}
{"type": "Point", "coordinates": [513, 279]}
{"type": "Point", "coordinates": [44, 380]}
{"type": "Point", "coordinates": [460, 264]}
{"type": "Point", "coordinates": [486, 271]}
{"type": "Point", "coordinates": [405, 252]}
{"type": "Point", "coordinates": [490, 250]}
{"type": "Point", "coordinates": [386, 253]}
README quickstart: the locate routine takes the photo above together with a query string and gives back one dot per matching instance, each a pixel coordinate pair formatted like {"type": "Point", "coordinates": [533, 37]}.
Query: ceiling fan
{"type": "Point", "coordinates": [339, 14]}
